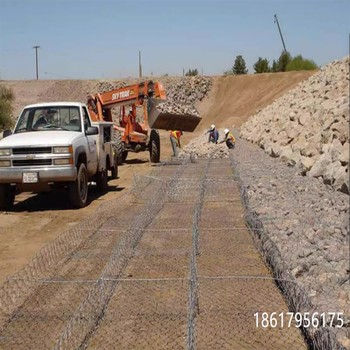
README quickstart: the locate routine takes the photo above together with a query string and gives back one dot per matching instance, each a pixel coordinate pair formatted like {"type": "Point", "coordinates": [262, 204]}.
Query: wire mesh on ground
{"type": "Point", "coordinates": [170, 265]}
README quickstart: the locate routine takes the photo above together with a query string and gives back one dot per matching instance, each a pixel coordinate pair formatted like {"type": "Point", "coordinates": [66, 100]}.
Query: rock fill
{"type": "Point", "coordinates": [309, 126]}
{"type": "Point", "coordinates": [200, 148]}
{"type": "Point", "coordinates": [182, 93]}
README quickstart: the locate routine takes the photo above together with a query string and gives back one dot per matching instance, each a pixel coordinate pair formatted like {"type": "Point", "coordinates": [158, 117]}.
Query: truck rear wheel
{"type": "Point", "coordinates": [102, 180]}
{"type": "Point", "coordinates": [114, 166]}
{"type": "Point", "coordinates": [154, 146]}
{"type": "Point", "coordinates": [124, 156]}
{"type": "Point", "coordinates": [78, 190]}
{"type": "Point", "coordinates": [117, 139]}
{"type": "Point", "coordinates": [7, 196]}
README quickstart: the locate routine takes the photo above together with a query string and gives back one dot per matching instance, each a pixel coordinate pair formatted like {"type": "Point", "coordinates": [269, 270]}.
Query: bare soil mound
{"type": "Point", "coordinates": [234, 98]}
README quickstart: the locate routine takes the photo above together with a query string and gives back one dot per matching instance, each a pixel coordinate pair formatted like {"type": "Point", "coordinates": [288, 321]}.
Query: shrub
{"type": "Point", "coordinates": [192, 72]}
{"type": "Point", "coordinates": [6, 99]}
{"type": "Point", "coordinates": [300, 63]}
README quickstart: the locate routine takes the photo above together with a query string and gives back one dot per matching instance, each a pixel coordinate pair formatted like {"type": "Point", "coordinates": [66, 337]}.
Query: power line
{"type": "Point", "coordinates": [279, 29]}
{"type": "Point", "coordinates": [36, 61]}
{"type": "Point", "coordinates": [140, 65]}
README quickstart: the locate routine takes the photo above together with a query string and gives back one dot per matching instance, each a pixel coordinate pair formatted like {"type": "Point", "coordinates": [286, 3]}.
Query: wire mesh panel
{"type": "Point", "coordinates": [39, 321]}
{"type": "Point", "coordinates": [161, 254]}
{"type": "Point", "coordinates": [229, 252]}
{"type": "Point", "coordinates": [144, 315]}
{"type": "Point", "coordinates": [170, 265]}
{"type": "Point", "coordinates": [227, 308]}
{"type": "Point", "coordinates": [217, 214]}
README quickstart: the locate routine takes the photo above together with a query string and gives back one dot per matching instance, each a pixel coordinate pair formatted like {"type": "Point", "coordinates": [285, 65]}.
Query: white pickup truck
{"type": "Point", "coordinates": [56, 145]}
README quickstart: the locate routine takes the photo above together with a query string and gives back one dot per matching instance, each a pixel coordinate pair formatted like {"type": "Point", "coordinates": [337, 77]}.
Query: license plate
{"type": "Point", "coordinates": [29, 178]}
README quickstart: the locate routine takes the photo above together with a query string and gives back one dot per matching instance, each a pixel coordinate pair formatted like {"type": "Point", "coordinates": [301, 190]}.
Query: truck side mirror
{"type": "Point", "coordinates": [91, 130]}
{"type": "Point", "coordinates": [6, 133]}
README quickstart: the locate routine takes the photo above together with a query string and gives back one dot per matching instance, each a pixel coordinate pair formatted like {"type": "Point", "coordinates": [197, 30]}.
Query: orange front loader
{"type": "Point", "coordinates": [133, 129]}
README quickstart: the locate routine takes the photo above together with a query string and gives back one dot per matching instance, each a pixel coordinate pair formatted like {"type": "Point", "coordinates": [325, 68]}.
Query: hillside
{"type": "Point", "coordinates": [234, 98]}
{"type": "Point", "coordinates": [231, 100]}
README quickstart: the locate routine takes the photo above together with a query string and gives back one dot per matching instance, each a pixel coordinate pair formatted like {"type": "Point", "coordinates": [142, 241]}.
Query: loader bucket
{"type": "Point", "coordinates": [170, 121]}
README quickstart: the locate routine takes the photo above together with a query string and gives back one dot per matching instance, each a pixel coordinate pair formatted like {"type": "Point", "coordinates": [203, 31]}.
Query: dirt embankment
{"type": "Point", "coordinates": [234, 98]}
{"type": "Point", "coordinates": [38, 219]}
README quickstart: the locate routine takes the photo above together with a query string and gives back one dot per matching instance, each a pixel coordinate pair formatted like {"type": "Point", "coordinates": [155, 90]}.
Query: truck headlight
{"type": "Point", "coordinates": [63, 150]}
{"type": "Point", "coordinates": [5, 152]}
{"type": "Point", "coordinates": [63, 161]}
{"type": "Point", "coordinates": [5, 163]}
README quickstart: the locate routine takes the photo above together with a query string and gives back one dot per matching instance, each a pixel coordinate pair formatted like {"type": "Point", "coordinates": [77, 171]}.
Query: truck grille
{"type": "Point", "coordinates": [32, 162]}
{"type": "Point", "coordinates": [31, 150]}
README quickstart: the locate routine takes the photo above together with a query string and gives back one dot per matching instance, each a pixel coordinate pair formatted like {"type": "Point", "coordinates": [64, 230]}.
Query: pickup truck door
{"type": "Point", "coordinates": [92, 157]}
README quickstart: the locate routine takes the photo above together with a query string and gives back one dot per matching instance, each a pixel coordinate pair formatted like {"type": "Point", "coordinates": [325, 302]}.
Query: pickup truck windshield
{"type": "Point", "coordinates": [49, 118]}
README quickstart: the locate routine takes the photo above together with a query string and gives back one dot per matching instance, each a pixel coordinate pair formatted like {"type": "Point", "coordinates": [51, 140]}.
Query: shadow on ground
{"type": "Point", "coordinates": [57, 200]}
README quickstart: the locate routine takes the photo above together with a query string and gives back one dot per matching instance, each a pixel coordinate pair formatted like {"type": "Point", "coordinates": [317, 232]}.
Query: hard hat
{"type": "Point", "coordinates": [226, 131]}
{"type": "Point", "coordinates": [212, 126]}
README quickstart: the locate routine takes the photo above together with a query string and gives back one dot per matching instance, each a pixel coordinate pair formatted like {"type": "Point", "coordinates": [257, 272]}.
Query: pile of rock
{"type": "Point", "coordinates": [309, 126]}
{"type": "Point", "coordinates": [173, 107]}
{"type": "Point", "coordinates": [187, 90]}
{"type": "Point", "coordinates": [182, 93]}
{"type": "Point", "coordinates": [307, 223]}
{"type": "Point", "coordinates": [108, 85]}
{"type": "Point", "coordinates": [202, 149]}
{"type": "Point", "coordinates": [181, 90]}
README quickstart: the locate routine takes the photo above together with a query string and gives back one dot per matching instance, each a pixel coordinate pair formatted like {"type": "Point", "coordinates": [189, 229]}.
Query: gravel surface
{"type": "Point", "coordinates": [308, 222]}
{"type": "Point", "coordinates": [202, 149]}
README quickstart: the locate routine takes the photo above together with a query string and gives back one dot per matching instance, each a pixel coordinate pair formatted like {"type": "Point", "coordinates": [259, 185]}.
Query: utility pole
{"type": "Point", "coordinates": [279, 29]}
{"type": "Point", "coordinates": [36, 61]}
{"type": "Point", "coordinates": [140, 66]}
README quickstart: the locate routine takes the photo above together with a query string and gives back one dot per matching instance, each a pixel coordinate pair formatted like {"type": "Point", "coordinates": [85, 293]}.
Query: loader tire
{"type": "Point", "coordinates": [154, 146]}
{"type": "Point", "coordinates": [117, 139]}
{"type": "Point", "coordinates": [7, 197]}
{"type": "Point", "coordinates": [78, 190]}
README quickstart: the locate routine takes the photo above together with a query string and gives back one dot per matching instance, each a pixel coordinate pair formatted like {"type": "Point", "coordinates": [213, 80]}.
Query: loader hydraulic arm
{"type": "Point", "coordinates": [134, 95]}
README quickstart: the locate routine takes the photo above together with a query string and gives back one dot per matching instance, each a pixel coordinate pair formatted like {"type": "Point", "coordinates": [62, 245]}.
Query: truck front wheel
{"type": "Point", "coordinates": [7, 196]}
{"type": "Point", "coordinates": [78, 190]}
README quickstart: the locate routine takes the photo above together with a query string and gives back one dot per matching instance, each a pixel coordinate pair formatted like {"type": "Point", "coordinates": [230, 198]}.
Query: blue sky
{"type": "Point", "coordinates": [81, 39]}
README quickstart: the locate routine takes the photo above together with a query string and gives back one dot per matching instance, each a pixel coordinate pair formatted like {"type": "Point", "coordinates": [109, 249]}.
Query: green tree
{"type": "Point", "coordinates": [261, 66]}
{"type": "Point", "coordinates": [274, 67]}
{"type": "Point", "coordinates": [191, 72]}
{"type": "Point", "coordinates": [300, 63]}
{"type": "Point", "coordinates": [6, 99]}
{"type": "Point", "coordinates": [239, 67]}
{"type": "Point", "coordinates": [283, 61]}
